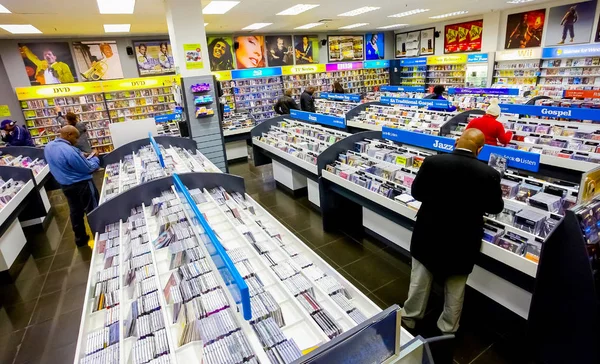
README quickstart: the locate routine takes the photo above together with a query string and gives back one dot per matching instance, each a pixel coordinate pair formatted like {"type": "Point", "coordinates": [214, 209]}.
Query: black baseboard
{"type": "Point", "coordinates": [238, 160]}
{"type": "Point", "coordinates": [314, 207]}
{"type": "Point", "coordinates": [293, 193]}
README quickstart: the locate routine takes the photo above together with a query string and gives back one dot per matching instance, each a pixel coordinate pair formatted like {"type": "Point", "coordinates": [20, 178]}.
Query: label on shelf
{"type": "Point", "coordinates": [403, 88]}
{"type": "Point", "coordinates": [519, 54]}
{"type": "Point", "coordinates": [138, 83]}
{"type": "Point", "coordinates": [340, 97]}
{"type": "Point", "coordinates": [587, 94]}
{"type": "Point", "coordinates": [415, 102]}
{"type": "Point", "coordinates": [376, 64]}
{"type": "Point", "coordinates": [514, 158]}
{"type": "Point", "coordinates": [222, 75]}
{"type": "Point", "coordinates": [58, 90]}
{"type": "Point", "coordinates": [583, 50]}
{"type": "Point", "coordinates": [165, 118]}
{"type": "Point", "coordinates": [330, 120]}
{"type": "Point", "coordinates": [477, 58]}
{"type": "Point", "coordinates": [433, 142]}
{"type": "Point", "coordinates": [303, 69]}
{"type": "Point", "coordinates": [256, 73]}
{"type": "Point", "coordinates": [345, 66]}
{"type": "Point", "coordinates": [552, 112]}
{"type": "Point", "coordinates": [484, 91]}
{"type": "Point", "coordinates": [415, 61]}
{"type": "Point", "coordinates": [447, 59]}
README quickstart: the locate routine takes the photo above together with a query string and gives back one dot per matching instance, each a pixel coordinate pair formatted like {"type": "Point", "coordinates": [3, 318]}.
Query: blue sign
{"type": "Point", "coordinates": [477, 58]}
{"type": "Point", "coordinates": [405, 101]}
{"type": "Point", "coordinates": [329, 120]}
{"type": "Point", "coordinates": [402, 88]}
{"type": "Point", "coordinates": [376, 64]}
{"type": "Point", "coordinates": [256, 73]}
{"type": "Point", "coordinates": [433, 142]}
{"type": "Point", "coordinates": [165, 118]}
{"type": "Point", "coordinates": [514, 158]}
{"type": "Point", "coordinates": [340, 97]}
{"type": "Point", "coordinates": [484, 91]}
{"type": "Point", "coordinates": [582, 50]}
{"type": "Point", "coordinates": [226, 108]}
{"type": "Point", "coordinates": [418, 61]}
{"type": "Point", "coordinates": [552, 112]}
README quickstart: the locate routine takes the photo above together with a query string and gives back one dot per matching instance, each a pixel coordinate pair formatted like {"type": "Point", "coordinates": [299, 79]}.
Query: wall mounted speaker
{"type": "Point", "coordinates": [129, 51]}
{"type": "Point", "coordinates": [236, 45]}
{"type": "Point", "coordinates": [437, 34]}
{"type": "Point", "coordinates": [323, 42]}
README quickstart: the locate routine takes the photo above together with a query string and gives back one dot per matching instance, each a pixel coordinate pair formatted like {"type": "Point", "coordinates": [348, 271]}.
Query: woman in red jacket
{"type": "Point", "coordinates": [492, 129]}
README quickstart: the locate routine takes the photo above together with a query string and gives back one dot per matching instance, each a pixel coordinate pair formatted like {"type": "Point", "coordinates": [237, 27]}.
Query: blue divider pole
{"type": "Point", "coordinates": [239, 281]}
{"type": "Point", "coordinates": [156, 150]}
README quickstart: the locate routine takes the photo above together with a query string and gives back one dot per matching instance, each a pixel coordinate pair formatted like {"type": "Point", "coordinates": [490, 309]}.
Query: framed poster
{"type": "Point", "coordinates": [306, 49]}
{"type": "Point", "coordinates": [416, 43]}
{"type": "Point", "coordinates": [344, 48]}
{"type": "Point", "coordinates": [280, 51]}
{"type": "Point", "coordinates": [375, 46]}
{"type": "Point", "coordinates": [427, 42]}
{"type": "Point", "coordinates": [250, 51]}
{"type": "Point", "coordinates": [413, 43]}
{"type": "Point", "coordinates": [98, 60]}
{"type": "Point", "coordinates": [220, 53]}
{"type": "Point", "coordinates": [400, 46]}
{"type": "Point", "coordinates": [571, 24]}
{"type": "Point", "coordinates": [48, 63]}
{"type": "Point", "coordinates": [463, 37]}
{"type": "Point", "coordinates": [154, 57]}
{"type": "Point", "coordinates": [524, 30]}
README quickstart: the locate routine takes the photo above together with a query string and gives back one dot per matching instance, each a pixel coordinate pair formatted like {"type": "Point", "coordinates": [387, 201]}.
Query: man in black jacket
{"type": "Point", "coordinates": [307, 103]}
{"type": "Point", "coordinates": [285, 103]}
{"type": "Point", "coordinates": [455, 190]}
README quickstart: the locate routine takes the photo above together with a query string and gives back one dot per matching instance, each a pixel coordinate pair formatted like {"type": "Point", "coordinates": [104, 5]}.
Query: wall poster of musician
{"type": "Point", "coordinates": [97, 60]}
{"type": "Point", "coordinates": [306, 49]}
{"type": "Point", "coordinates": [280, 50]}
{"type": "Point", "coordinates": [524, 30]}
{"type": "Point", "coordinates": [154, 57]}
{"type": "Point", "coordinates": [571, 23]}
{"type": "Point", "coordinates": [48, 63]}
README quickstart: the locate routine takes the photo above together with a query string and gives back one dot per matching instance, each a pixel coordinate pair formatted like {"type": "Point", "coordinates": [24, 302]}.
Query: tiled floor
{"type": "Point", "coordinates": [42, 300]}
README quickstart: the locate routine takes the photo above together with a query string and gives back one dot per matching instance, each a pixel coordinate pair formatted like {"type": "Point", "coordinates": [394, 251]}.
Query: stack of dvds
{"type": "Point", "coordinates": [128, 175]}
{"type": "Point", "coordinates": [149, 166]}
{"type": "Point", "coordinates": [36, 165]}
{"type": "Point", "coordinates": [8, 190]}
{"type": "Point", "coordinates": [337, 108]}
{"type": "Point", "coordinates": [110, 187]}
{"type": "Point", "coordinates": [400, 117]}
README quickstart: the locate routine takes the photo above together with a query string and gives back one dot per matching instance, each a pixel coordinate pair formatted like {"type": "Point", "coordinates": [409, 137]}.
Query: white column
{"type": "Point", "coordinates": [186, 26]}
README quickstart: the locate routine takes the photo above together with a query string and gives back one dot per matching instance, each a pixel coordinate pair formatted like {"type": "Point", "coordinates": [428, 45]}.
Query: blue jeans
{"type": "Point", "coordinates": [568, 28]}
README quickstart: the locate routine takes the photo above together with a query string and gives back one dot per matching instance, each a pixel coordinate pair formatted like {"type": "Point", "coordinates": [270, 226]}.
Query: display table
{"type": "Point", "coordinates": [236, 143]}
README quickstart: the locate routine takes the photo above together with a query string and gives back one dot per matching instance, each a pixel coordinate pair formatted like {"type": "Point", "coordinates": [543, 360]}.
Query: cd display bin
{"type": "Point", "coordinates": [386, 209]}
{"type": "Point", "coordinates": [236, 133]}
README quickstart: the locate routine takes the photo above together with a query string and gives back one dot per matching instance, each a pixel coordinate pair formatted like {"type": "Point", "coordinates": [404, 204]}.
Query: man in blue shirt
{"type": "Point", "coordinates": [74, 171]}
{"type": "Point", "coordinates": [15, 135]}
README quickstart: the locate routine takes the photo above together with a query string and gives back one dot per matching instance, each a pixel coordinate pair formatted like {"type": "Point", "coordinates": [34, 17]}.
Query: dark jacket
{"type": "Point", "coordinates": [307, 103]}
{"type": "Point", "coordinates": [284, 105]}
{"type": "Point", "coordinates": [18, 137]}
{"type": "Point", "coordinates": [455, 190]}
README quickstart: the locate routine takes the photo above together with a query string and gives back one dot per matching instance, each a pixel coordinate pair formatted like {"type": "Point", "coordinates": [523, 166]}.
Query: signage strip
{"type": "Point", "coordinates": [343, 66]}
{"type": "Point", "coordinates": [484, 91]}
{"type": "Point", "coordinates": [406, 101]}
{"type": "Point", "coordinates": [256, 73]}
{"type": "Point", "coordinates": [329, 120]}
{"type": "Point", "coordinates": [552, 112]}
{"type": "Point", "coordinates": [340, 97]}
{"type": "Point", "coordinates": [402, 88]}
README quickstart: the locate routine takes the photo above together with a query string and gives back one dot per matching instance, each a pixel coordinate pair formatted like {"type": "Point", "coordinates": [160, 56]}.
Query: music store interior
{"type": "Point", "coordinates": [299, 181]}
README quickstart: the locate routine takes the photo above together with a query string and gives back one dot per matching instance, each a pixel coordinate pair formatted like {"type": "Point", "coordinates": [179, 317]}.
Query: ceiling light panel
{"type": "Point", "coordinates": [205, 24]}
{"type": "Point", "coordinates": [408, 13]}
{"type": "Point", "coordinates": [256, 26]}
{"type": "Point", "coordinates": [297, 9]}
{"type": "Point", "coordinates": [219, 7]}
{"type": "Point", "coordinates": [4, 10]}
{"type": "Point", "coordinates": [393, 26]}
{"type": "Point", "coordinates": [309, 26]}
{"type": "Point", "coordinates": [364, 9]}
{"type": "Point", "coordinates": [352, 26]}
{"type": "Point", "coordinates": [117, 28]}
{"type": "Point", "coordinates": [456, 13]}
{"type": "Point", "coordinates": [116, 6]}
{"type": "Point", "coordinates": [519, 1]}
{"type": "Point", "coordinates": [21, 29]}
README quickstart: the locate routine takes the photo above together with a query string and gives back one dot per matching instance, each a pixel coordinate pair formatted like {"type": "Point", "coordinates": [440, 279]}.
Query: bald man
{"type": "Point", "coordinates": [73, 171]}
{"type": "Point", "coordinates": [455, 190]}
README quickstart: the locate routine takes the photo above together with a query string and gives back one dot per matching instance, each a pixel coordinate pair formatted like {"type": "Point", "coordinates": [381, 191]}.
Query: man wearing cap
{"type": "Point", "coordinates": [15, 135]}
{"type": "Point", "coordinates": [74, 171]}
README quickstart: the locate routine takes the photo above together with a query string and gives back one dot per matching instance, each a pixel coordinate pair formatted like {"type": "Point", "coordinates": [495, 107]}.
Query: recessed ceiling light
{"type": "Point", "coordinates": [116, 6]}
{"type": "Point", "coordinates": [4, 10]}
{"type": "Point", "coordinates": [205, 24]}
{"type": "Point", "coordinates": [408, 13]}
{"type": "Point", "coordinates": [462, 12]}
{"type": "Point", "coordinates": [364, 9]}
{"type": "Point", "coordinates": [352, 26]}
{"type": "Point", "coordinates": [518, 1]}
{"type": "Point", "coordinates": [297, 9]}
{"type": "Point", "coordinates": [309, 25]}
{"type": "Point", "coordinates": [116, 28]}
{"type": "Point", "coordinates": [393, 26]}
{"type": "Point", "coordinates": [256, 26]}
{"type": "Point", "coordinates": [21, 29]}
{"type": "Point", "coordinates": [219, 7]}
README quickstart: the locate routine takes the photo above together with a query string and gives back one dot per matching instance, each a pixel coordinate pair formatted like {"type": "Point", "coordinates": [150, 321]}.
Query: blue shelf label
{"type": "Point", "coordinates": [376, 64]}
{"type": "Point", "coordinates": [571, 51]}
{"type": "Point", "coordinates": [484, 91]}
{"type": "Point", "coordinates": [442, 104]}
{"type": "Point", "coordinates": [514, 158]}
{"type": "Point", "coordinates": [256, 73]}
{"type": "Point", "coordinates": [329, 120]}
{"type": "Point", "coordinates": [402, 88]}
{"type": "Point", "coordinates": [417, 61]}
{"type": "Point", "coordinates": [165, 118]}
{"type": "Point", "coordinates": [477, 58]}
{"type": "Point", "coordinates": [552, 112]}
{"type": "Point", "coordinates": [433, 142]}
{"type": "Point", "coordinates": [340, 97]}
{"type": "Point", "coordinates": [226, 108]}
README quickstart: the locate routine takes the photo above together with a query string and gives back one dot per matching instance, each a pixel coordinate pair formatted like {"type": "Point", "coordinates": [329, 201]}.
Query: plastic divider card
{"type": "Point", "coordinates": [232, 278]}
{"type": "Point", "coordinates": [156, 149]}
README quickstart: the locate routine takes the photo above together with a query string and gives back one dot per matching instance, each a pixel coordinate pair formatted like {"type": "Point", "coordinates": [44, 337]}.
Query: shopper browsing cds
{"type": "Point", "coordinates": [492, 129]}
{"type": "Point", "coordinates": [307, 102]}
{"type": "Point", "coordinates": [337, 88]}
{"type": "Point", "coordinates": [83, 143]}
{"type": "Point", "coordinates": [448, 232]}
{"type": "Point", "coordinates": [285, 103]}
{"type": "Point", "coordinates": [438, 94]}
{"type": "Point", "coordinates": [15, 135]}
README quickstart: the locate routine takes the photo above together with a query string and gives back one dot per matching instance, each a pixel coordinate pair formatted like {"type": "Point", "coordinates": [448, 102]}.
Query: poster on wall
{"type": "Point", "coordinates": [570, 24]}
{"type": "Point", "coordinates": [250, 52]}
{"type": "Point", "coordinates": [306, 49]}
{"type": "Point", "coordinates": [413, 43]}
{"type": "Point", "coordinates": [401, 45]}
{"type": "Point", "coordinates": [154, 57]}
{"type": "Point", "coordinates": [193, 56]}
{"type": "Point", "coordinates": [280, 51]}
{"type": "Point", "coordinates": [220, 53]}
{"type": "Point", "coordinates": [427, 42]}
{"type": "Point", "coordinates": [463, 37]}
{"type": "Point", "coordinates": [98, 60]}
{"type": "Point", "coordinates": [345, 48]}
{"type": "Point", "coordinates": [375, 46]}
{"type": "Point", "coordinates": [524, 30]}
{"type": "Point", "coordinates": [48, 63]}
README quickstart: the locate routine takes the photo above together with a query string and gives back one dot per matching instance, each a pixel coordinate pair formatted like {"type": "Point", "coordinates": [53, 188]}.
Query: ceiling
{"type": "Point", "coordinates": [81, 17]}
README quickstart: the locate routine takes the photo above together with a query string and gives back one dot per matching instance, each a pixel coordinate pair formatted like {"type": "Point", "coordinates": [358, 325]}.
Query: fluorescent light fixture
{"type": "Point", "coordinates": [393, 26]}
{"type": "Point", "coordinates": [408, 13]}
{"type": "Point", "coordinates": [117, 28]}
{"type": "Point", "coordinates": [256, 26]}
{"type": "Point", "coordinates": [205, 24]}
{"type": "Point", "coordinates": [297, 9]}
{"type": "Point", "coordinates": [21, 29]}
{"type": "Point", "coordinates": [309, 25]}
{"type": "Point", "coordinates": [4, 10]}
{"type": "Point", "coordinates": [462, 12]}
{"type": "Point", "coordinates": [518, 1]}
{"type": "Point", "coordinates": [364, 9]}
{"type": "Point", "coordinates": [116, 6]}
{"type": "Point", "coordinates": [219, 7]}
{"type": "Point", "coordinates": [352, 26]}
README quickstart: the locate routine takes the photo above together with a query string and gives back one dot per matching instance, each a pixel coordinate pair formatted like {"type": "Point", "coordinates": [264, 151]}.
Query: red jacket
{"type": "Point", "coordinates": [492, 129]}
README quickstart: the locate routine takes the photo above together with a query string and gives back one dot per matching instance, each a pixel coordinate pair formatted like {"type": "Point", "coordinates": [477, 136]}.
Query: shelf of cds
{"type": "Point", "coordinates": [97, 104]}
{"type": "Point", "coordinates": [518, 68]}
{"type": "Point", "coordinates": [332, 107]}
{"type": "Point", "coordinates": [257, 96]}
